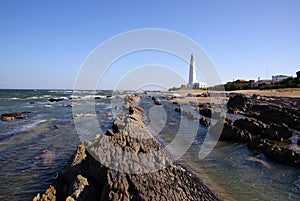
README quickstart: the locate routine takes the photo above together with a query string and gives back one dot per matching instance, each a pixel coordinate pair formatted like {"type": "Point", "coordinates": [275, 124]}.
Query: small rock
{"type": "Point", "coordinates": [177, 109]}
{"type": "Point", "coordinates": [203, 121]}
{"type": "Point", "coordinates": [14, 116]}
{"type": "Point", "coordinates": [56, 99]}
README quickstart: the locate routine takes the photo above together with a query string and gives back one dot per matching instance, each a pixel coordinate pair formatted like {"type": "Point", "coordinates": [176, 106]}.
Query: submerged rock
{"type": "Point", "coordinates": [56, 99]}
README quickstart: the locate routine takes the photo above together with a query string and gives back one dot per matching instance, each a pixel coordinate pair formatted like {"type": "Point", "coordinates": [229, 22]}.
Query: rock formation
{"type": "Point", "coordinates": [133, 166]}
{"type": "Point", "coordinates": [14, 116]}
{"type": "Point", "coordinates": [269, 123]}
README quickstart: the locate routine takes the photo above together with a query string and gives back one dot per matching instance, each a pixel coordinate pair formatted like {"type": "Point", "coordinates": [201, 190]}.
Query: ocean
{"type": "Point", "coordinates": [34, 150]}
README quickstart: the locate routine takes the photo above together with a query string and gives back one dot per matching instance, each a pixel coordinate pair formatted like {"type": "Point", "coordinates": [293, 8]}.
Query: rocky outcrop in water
{"type": "Point", "coordinates": [14, 116]}
{"type": "Point", "coordinates": [134, 166]}
{"type": "Point", "coordinates": [268, 127]}
{"type": "Point", "coordinates": [156, 101]}
{"type": "Point", "coordinates": [56, 99]}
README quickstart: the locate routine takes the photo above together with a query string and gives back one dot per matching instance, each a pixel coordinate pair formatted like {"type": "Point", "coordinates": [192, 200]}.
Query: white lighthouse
{"type": "Point", "coordinates": [193, 83]}
{"type": "Point", "coordinates": [192, 76]}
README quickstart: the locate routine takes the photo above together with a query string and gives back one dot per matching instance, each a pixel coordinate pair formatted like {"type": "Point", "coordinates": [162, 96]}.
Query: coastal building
{"type": "Point", "coordinates": [280, 77]}
{"type": "Point", "coordinates": [259, 83]}
{"type": "Point", "coordinates": [193, 83]}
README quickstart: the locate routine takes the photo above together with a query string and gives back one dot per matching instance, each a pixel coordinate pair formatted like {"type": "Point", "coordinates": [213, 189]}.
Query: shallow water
{"type": "Point", "coordinates": [33, 151]}
{"type": "Point", "coordinates": [231, 170]}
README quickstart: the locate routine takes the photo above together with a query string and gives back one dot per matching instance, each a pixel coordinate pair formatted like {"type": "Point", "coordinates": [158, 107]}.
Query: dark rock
{"type": "Point", "coordinates": [232, 111]}
{"type": "Point", "coordinates": [205, 112]}
{"type": "Point", "coordinates": [89, 180]}
{"type": "Point", "coordinates": [156, 101]}
{"type": "Point", "coordinates": [56, 126]}
{"type": "Point", "coordinates": [203, 95]}
{"type": "Point", "coordinates": [255, 127]}
{"type": "Point", "coordinates": [203, 121]}
{"type": "Point", "coordinates": [255, 97]}
{"type": "Point", "coordinates": [282, 130]}
{"type": "Point", "coordinates": [275, 131]}
{"type": "Point", "coordinates": [14, 116]}
{"type": "Point", "coordinates": [56, 99]}
{"type": "Point", "coordinates": [238, 101]}
{"type": "Point", "coordinates": [269, 113]}
{"type": "Point", "coordinates": [178, 109]}
{"type": "Point", "coordinates": [231, 133]}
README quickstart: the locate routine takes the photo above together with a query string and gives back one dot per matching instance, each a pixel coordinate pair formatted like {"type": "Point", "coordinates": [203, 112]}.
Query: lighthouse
{"type": "Point", "coordinates": [193, 83]}
{"type": "Point", "coordinates": [192, 75]}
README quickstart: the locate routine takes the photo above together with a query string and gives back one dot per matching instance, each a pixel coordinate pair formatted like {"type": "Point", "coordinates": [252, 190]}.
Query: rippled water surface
{"type": "Point", "coordinates": [33, 151]}
{"type": "Point", "coordinates": [231, 170]}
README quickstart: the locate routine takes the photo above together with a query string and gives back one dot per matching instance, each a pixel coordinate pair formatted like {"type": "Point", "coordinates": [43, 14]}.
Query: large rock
{"type": "Point", "coordinates": [274, 131]}
{"type": "Point", "coordinates": [238, 101]}
{"type": "Point", "coordinates": [271, 113]}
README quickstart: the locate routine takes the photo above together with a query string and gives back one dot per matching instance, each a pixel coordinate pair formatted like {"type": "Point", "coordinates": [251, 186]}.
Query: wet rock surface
{"type": "Point", "coordinates": [133, 166]}
{"type": "Point", "coordinates": [14, 116]}
{"type": "Point", "coordinates": [268, 127]}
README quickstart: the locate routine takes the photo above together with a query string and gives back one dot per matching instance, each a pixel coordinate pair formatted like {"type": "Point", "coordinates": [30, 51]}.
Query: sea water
{"type": "Point", "coordinates": [34, 150]}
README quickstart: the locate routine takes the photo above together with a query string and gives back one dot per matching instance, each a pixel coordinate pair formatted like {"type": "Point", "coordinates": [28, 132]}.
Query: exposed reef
{"type": "Point", "coordinates": [268, 126]}
{"type": "Point", "coordinates": [133, 166]}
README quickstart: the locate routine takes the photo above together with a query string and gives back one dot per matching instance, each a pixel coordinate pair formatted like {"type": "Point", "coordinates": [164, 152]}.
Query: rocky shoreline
{"type": "Point", "coordinates": [269, 125]}
{"type": "Point", "coordinates": [146, 173]}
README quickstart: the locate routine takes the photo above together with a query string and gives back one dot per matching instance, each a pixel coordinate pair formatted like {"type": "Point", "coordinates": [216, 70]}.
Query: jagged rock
{"type": "Point", "coordinates": [49, 195]}
{"type": "Point", "coordinates": [77, 187]}
{"type": "Point", "coordinates": [231, 133]}
{"type": "Point", "coordinates": [238, 101]}
{"type": "Point", "coordinates": [146, 173]}
{"type": "Point", "coordinates": [79, 156]}
{"type": "Point", "coordinates": [275, 152]}
{"type": "Point", "coordinates": [282, 130]}
{"type": "Point", "coordinates": [14, 116]}
{"type": "Point", "coordinates": [274, 131]}
{"type": "Point", "coordinates": [254, 126]}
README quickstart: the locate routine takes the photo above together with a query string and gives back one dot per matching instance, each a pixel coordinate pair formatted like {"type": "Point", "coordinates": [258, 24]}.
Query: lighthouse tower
{"type": "Point", "coordinates": [192, 75]}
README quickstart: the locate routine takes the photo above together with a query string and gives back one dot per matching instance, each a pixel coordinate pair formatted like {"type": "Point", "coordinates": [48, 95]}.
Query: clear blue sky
{"type": "Point", "coordinates": [43, 43]}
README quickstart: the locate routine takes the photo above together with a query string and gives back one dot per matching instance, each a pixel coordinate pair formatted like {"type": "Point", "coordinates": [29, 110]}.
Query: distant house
{"type": "Point", "coordinates": [200, 85]}
{"type": "Point", "coordinates": [280, 77]}
{"type": "Point", "coordinates": [263, 82]}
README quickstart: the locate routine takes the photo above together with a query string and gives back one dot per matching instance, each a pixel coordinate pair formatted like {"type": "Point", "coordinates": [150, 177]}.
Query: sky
{"type": "Point", "coordinates": [43, 44]}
